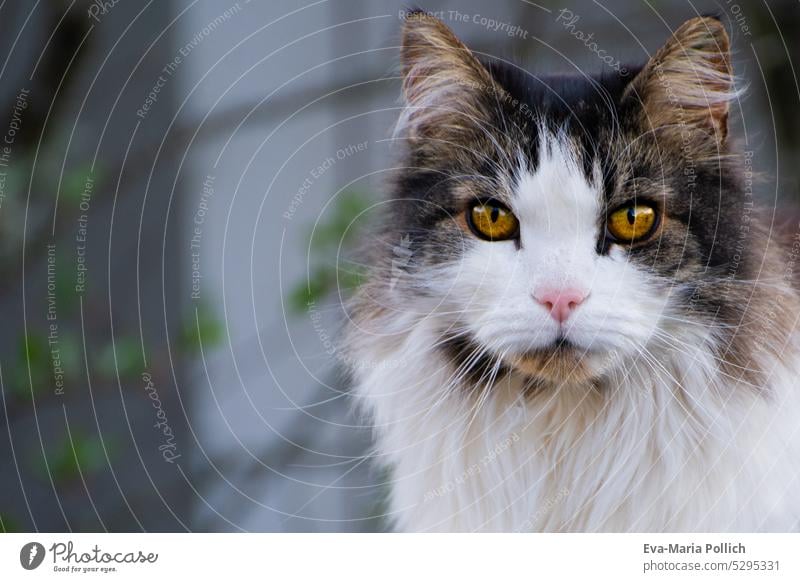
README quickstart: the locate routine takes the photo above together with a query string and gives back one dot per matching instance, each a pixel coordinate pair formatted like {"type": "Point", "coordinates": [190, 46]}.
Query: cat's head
{"type": "Point", "coordinates": [559, 223]}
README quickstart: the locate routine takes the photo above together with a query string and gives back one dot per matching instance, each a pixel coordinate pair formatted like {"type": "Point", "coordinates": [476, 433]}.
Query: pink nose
{"type": "Point", "coordinates": [560, 302]}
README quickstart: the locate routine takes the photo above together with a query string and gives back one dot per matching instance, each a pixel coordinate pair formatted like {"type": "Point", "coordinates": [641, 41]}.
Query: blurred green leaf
{"type": "Point", "coordinates": [201, 327]}
{"type": "Point", "coordinates": [84, 455]}
{"type": "Point", "coordinates": [34, 354]}
{"type": "Point", "coordinates": [311, 291]}
{"type": "Point", "coordinates": [123, 357]}
{"type": "Point", "coordinates": [352, 277]}
{"type": "Point", "coordinates": [339, 227]}
{"type": "Point", "coordinates": [36, 351]}
{"type": "Point", "coordinates": [350, 204]}
{"type": "Point", "coordinates": [74, 182]}
{"type": "Point", "coordinates": [33, 349]}
{"type": "Point", "coordinates": [8, 525]}
{"type": "Point", "coordinates": [329, 242]}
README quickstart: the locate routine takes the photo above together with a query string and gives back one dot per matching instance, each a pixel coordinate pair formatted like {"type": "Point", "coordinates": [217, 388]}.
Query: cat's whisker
{"type": "Point", "coordinates": [677, 345]}
{"type": "Point", "coordinates": [676, 385]}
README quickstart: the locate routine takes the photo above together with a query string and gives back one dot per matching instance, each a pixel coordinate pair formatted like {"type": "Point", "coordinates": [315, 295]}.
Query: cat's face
{"type": "Point", "coordinates": [556, 299]}
{"type": "Point", "coordinates": [560, 224]}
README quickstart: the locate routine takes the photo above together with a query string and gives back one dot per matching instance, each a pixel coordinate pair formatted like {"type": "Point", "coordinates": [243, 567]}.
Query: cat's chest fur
{"type": "Point", "coordinates": [665, 446]}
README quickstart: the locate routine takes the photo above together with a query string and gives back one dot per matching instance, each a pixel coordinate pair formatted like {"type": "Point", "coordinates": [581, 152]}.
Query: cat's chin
{"type": "Point", "coordinates": [560, 363]}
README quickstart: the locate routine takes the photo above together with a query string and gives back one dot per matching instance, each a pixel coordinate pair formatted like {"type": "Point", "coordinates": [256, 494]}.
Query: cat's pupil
{"type": "Point", "coordinates": [631, 215]}
{"type": "Point", "coordinates": [495, 213]}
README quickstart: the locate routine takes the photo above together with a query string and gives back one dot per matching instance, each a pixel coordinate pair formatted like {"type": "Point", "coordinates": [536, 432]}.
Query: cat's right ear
{"type": "Point", "coordinates": [687, 86]}
{"type": "Point", "coordinates": [444, 84]}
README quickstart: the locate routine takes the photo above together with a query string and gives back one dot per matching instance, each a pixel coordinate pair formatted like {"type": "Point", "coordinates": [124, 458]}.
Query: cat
{"type": "Point", "coordinates": [590, 328]}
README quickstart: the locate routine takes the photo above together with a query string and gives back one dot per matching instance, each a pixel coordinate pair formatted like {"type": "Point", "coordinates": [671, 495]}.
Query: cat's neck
{"type": "Point", "coordinates": [461, 452]}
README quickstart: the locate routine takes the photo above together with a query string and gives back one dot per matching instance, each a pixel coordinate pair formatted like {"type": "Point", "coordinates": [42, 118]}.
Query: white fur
{"type": "Point", "coordinates": [670, 443]}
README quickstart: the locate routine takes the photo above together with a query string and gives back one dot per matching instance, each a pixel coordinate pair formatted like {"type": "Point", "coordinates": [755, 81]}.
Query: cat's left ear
{"type": "Point", "coordinates": [443, 82]}
{"type": "Point", "coordinates": [687, 86]}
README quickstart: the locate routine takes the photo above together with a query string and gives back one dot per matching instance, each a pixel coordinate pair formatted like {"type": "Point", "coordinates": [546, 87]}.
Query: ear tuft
{"type": "Point", "coordinates": [688, 84]}
{"type": "Point", "coordinates": [442, 79]}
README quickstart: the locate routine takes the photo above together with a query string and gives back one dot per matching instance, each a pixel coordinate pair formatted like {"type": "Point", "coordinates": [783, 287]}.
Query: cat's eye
{"type": "Point", "coordinates": [491, 220]}
{"type": "Point", "coordinates": [632, 222]}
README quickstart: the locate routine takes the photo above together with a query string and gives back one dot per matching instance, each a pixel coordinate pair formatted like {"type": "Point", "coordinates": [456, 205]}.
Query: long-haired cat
{"type": "Point", "coordinates": [589, 329]}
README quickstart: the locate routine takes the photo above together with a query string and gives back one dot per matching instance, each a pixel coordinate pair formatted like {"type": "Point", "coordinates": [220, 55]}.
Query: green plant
{"type": "Point", "coordinates": [123, 357]}
{"type": "Point", "coordinates": [201, 328]}
{"type": "Point", "coordinates": [8, 525]}
{"type": "Point", "coordinates": [31, 372]}
{"type": "Point", "coordinates": [80, 455]}
{"type": "Point", "coordinates": [331, 240]}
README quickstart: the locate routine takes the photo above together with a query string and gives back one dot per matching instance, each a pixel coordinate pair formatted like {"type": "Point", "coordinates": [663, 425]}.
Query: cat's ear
{"type": "Point", "coordinates": [687, 86]}
{"type": "Point", "coordinates": [444, 84]}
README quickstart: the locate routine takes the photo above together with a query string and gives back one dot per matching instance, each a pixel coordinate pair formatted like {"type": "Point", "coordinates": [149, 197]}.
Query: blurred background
{"type": "Point", "coordinates": [182, 184]}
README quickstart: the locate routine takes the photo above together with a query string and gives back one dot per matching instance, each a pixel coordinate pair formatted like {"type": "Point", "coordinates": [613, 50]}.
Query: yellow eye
{"type": "Point", "coordinates": [492, 221]}
{"type": "Point", "coordinates": [632, 222]}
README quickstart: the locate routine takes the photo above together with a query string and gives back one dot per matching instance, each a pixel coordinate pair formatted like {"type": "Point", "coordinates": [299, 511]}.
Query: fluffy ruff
{"type": "Point", "coordinates": [670, 445]}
